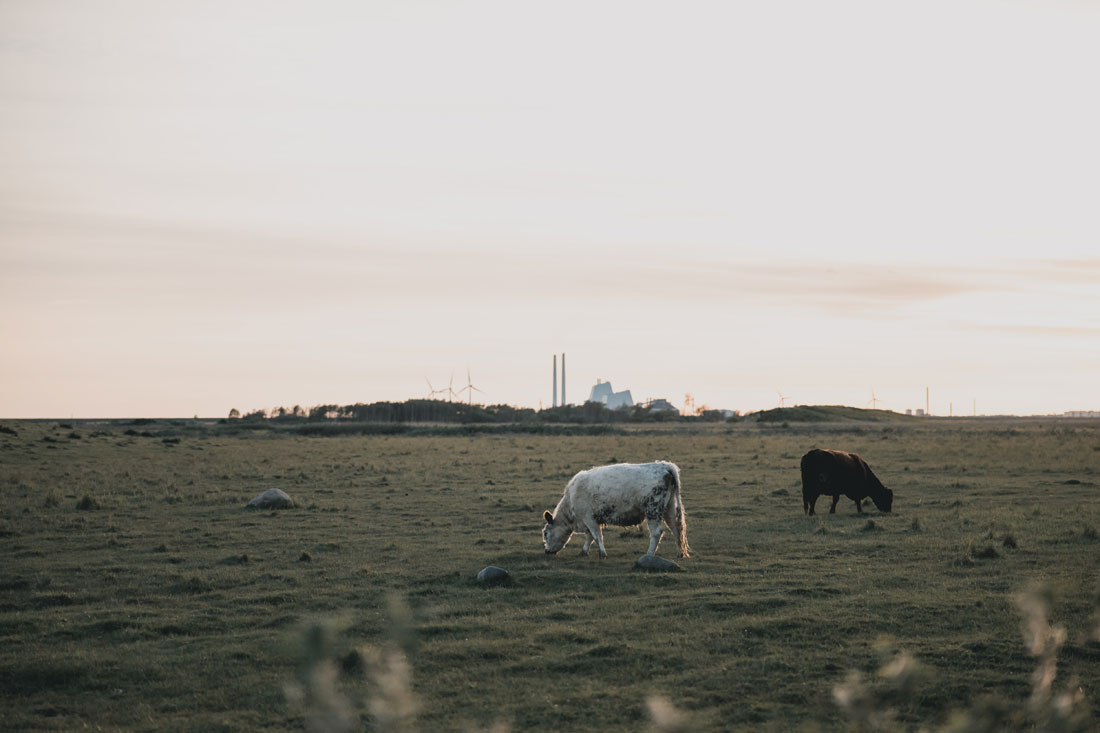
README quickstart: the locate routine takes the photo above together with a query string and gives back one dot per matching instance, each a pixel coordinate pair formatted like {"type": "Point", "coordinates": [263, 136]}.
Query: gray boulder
{"type": "Point", "coordinates": [654, 564]}
{"type": "Point", "coordinates": [272, 499]}
{"type": "Point", "coordinates": [493, 575]}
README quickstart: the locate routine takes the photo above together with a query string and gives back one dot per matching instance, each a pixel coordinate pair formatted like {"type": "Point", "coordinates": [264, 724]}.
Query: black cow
{"type": "Point", "coordinates": [835, 472]}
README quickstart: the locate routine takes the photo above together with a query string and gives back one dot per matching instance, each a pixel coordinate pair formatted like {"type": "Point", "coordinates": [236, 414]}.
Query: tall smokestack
{"type": "Point", "coordinates": [555, 380]}
{"type": "Point", "coordinates": [926, 410]}
{"type": "Point", "coordinates": [563, 402]}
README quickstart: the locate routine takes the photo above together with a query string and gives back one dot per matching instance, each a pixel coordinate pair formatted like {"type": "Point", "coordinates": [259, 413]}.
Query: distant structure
{"type": "Point", "coordinates": [659, 404]}
{"type": "Point", "coordinates": [563, 402]}
{"type": "Point", "coordinates": [555, 402]}
{"type": "Point", "coordinates": [1082, 413]}
{"type": "Point", "coordinates": [605, 395]}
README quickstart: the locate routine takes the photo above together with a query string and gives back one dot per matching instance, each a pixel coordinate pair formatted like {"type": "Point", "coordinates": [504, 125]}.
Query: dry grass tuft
{"type": "Point", "coordinates": [318, 695]}
{"type": "Point", "coordinates": [986, 553]}
{"type": "Point", "coordinates": [871, 706]}
{"type": "Point", "coordinates": [665, 717]}
{"type": "Point", "coordinates": [87, 503]}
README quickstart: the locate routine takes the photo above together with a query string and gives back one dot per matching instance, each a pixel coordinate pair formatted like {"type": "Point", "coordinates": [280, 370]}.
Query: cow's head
{"type": "Point", "coordinates": [883, 498]}
{"type": "Point", "coordinates": [554, 536]}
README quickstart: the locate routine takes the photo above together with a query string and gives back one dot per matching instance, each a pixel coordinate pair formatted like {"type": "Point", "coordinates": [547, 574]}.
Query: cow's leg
{"type": "Point", "coordinates": [655, 532]}
{"type": "Point", "coordinates": [594, 530]}
{"type": "Point", "coordinates": [810, 504]}
{"type": "Point", "coordinates": [832, 509]}
{"type": "Point", "coordinates": [587, 543]}
{"type": "Point", "coordinates": [859, 505]}
{"type": "Point", "coordinates": [599, 542]}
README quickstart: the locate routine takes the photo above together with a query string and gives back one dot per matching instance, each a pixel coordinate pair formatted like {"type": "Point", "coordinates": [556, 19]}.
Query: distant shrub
{"type": "Point", "coordinates": [336, 429]}
{"type": "Point", "coordinates": [339, 428]}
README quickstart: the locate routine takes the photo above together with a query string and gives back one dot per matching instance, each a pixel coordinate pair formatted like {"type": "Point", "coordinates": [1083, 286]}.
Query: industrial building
{"type": "Point", "coordinates": [603, 393]}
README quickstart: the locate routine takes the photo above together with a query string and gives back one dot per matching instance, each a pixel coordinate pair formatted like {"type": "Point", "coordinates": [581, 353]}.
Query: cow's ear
{"type": "Point", "coordinates": [548, 517]}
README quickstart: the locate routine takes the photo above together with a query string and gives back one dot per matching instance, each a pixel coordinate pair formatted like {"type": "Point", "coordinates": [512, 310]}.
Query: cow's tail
{"type": "Point", "coordinates": [680, 527]}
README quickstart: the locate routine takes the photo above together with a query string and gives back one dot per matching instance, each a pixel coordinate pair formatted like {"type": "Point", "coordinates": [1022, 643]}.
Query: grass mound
{"type": "Point", "coordinates": [825, 413]}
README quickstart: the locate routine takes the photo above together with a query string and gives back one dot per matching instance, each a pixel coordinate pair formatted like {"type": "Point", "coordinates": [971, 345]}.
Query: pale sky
{"type": "Point", "coordinates": [216, 205]}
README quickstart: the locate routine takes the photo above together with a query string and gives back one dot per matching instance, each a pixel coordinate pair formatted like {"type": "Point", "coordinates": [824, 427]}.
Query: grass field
{"type": "Point", "coordinates": [138, 593]}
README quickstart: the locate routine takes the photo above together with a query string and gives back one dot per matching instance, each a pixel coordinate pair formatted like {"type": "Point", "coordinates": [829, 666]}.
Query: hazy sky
{"type": "Point", "coordinates": [208, 205]}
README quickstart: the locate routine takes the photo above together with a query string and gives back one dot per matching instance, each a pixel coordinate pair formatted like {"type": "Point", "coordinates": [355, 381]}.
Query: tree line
{"type": "Point", "coordinates": [442, 411]}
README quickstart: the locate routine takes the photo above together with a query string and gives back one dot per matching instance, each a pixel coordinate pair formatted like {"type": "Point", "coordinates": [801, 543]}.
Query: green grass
{"type": "Point", "coordinates": [164, 604]}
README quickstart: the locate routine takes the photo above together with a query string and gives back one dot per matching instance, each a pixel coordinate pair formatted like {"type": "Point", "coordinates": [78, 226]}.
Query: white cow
{"type": "Point", "coordinates": [623, 495]}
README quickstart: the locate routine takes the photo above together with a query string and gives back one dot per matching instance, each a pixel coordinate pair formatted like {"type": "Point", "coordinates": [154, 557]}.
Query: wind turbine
{"type": "Point", "coordinates": [432, 391]}
{"type": "Point", "coordinates": [469, 389]}
{"type": "Point", "coordinates": [450, 389]}
{"type": "Point", "coordinates": [874, 401]}
{"type": "Point", "coordinates": [782, 399]}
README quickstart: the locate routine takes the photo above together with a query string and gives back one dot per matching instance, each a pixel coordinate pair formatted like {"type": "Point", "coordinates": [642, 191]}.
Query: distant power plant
{"type": "Point", "coordinates": [604, 394]}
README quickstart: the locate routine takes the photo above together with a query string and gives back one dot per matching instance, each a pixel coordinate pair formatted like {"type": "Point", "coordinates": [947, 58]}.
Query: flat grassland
{"type": "Point", "coordinates": [138, 593]}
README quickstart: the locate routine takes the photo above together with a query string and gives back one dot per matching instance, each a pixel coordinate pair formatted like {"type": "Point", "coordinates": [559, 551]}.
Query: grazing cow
{"type": "Point", "coordinates": [622, 495]}
{"type": "Point", "coordinates": [835, 472]}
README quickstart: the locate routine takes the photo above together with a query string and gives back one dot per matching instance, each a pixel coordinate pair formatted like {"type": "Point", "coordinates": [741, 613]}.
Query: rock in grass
{"type": "Point", "coordinates": [493, 575]}
{"type": "Point", "coordinates": [653, 564]}
{"type": "Point", "coordinates": [272, 499]}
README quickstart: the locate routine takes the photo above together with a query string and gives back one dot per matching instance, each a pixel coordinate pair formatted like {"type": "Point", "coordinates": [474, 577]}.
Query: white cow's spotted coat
{"type": "Point", "coordinates": [623, 494]}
